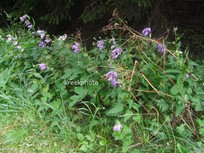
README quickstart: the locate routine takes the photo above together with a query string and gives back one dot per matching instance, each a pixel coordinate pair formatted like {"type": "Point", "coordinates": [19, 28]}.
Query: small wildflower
{"type": "Point", "coordinates": [63, 37]}
{"type": "Point", "coordinates": [116, 52]}
{"type": "Point", "coordinates": [41, 33]}
{"type": "Point", "coordinates": [22, 18]}
{"type": "Point", "coordinates": [113, 43]}
{"type": "Point", "coordinates": [47, 40]}
{"type": "Point", "coordinates": [187, 75]}
{"type": "Point", "coordinates": [160, 48]}
{"type": "Point", "coordinates": [75, 47]}
{"type": "Point", "coordinates": [42, 66]}
{"type": "Point", "coordinates": [15, 43]}
{"type": "Point", "coordinates": [146, 31]}
{"type": "Point", "coordinates": [41, 44]}
{"type": "Point", "coordinates": [111, 77]}
{"type": "Point", "coordinates": [117, 127]}
{"type": "Point", "coordinates": [100, 44]}
{"type": "Point", "coordinates": [20, 48]}
{"type": "Point", "coordinates": [9, 38]}
{"type": "Point", "coordinates": [27, 23]}
{"type": "Point", "coordinates": [30, 26]}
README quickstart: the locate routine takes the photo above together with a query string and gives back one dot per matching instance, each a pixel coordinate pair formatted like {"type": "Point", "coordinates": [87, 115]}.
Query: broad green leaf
{"type": "Point", "coordinates": [102, 56]}
{"type": "Point", "coordinates": [80, 91]}
{"type": "Point", "coordinates": [37, 75]}
{"type": "Point", "coordinates": [115, 110]}
{"type": "Point", "coordinates": [75, 99]}
{"type": "Point", "coordinates": [56, 104]}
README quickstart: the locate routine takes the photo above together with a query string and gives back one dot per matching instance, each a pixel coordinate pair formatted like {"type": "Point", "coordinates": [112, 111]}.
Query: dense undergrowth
{"type": "Point", "coordinates": [129, 93]}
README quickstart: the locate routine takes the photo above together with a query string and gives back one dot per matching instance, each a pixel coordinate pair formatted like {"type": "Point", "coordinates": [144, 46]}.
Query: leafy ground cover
{"type": "Point", "coordinates": [129, 92]}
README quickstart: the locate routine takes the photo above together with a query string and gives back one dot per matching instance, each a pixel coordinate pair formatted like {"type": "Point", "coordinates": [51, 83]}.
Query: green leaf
{"type": "Point", "coordinates": [115, 110]}
{"type": "Point", "coordinates": [181, 149]}
{"type": "Point", "coordinates": [56, 104]}
{"type": "Point", "coordinates": [80, 91]}
{"type": "Point", "coordinates": [163, 105]}
{"type": "Point", "coordinates": [128, 114]}
{"type": "Point", "coordinates": [137, 118]}
{"type": "Point", "coordinates": [37, 75]}
{"type": "Point", "coordinates": [71, 73]}
{"type": "Point", "coordinates": [197, 103]}
{"type": "Point", "coordinates": [74, 99]}
{"type": "Point", "coordinates": [179, 108]}
{"type": "Point", "coordinates": [102, 56]}
{"type": "Point", "coordinates": [172, 71]}
{"type": "Point", "coordinates": [102, 142]}
{"type": "Point", "coordinates": [174, 90]}
{"type": "Point", "coordinates": [80, 137]}
{"type": "Point", "coordinates": [133, 105]}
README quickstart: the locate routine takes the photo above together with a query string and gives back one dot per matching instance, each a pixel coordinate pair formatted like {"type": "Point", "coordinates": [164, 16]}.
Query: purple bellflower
{"type": "Point", "coordinates": [146, 31]}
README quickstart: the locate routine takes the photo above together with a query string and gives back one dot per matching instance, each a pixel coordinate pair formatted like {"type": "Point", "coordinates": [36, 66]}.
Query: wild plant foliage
{"type": "Point", "coordinates": [145, 93]}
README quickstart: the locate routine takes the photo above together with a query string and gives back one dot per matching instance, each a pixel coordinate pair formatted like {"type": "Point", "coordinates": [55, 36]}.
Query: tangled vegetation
{"type": "Point", "coordinates": [129, 93]}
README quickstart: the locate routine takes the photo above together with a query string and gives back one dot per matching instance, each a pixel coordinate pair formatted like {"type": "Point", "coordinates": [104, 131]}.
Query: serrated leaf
{"type": "Point", "coordinates": [163, 105]}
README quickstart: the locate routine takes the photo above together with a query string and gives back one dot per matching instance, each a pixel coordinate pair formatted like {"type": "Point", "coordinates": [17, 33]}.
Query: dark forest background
{"type": "Point", "coordinates": [89, 16]}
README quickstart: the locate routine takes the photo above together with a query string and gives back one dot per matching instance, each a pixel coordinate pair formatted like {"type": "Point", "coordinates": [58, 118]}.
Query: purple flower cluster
{"type": "Point", "coordinates": [111, 77]}
{"type": "Point", "coordinates": [160, 48]}
{"type": "Point", "coordinates": [75, 47]}
{"type": "Point", "coordinates": [42, 66]}
{"type": "Point", "coordinates": [24, 19]}
{"type": "Point", "coordinates": [100, 44]}
{"type": "Point", "coordinates": [117, 127]}
{"type": "Point", "coordinates": [116, 52]}
{"type": "Point", "coordinates": [146, 31]}
{"type": "Point", "coordinates": [45, 39]}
